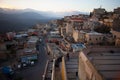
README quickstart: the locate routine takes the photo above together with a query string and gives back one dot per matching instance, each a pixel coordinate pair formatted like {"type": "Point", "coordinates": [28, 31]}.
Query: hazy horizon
{"type": "Point", "coordinates": [60, 6]}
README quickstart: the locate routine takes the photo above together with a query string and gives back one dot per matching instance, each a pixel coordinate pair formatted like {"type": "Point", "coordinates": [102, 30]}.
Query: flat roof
{"type": "Point", "coordinates": [33, 39]}
{"type": "Point", "coordinates": [108, 64]}
{"type": "Point", "coordinates": [55, 49]}
{"type": "Point", "coordinates": [94, 33]}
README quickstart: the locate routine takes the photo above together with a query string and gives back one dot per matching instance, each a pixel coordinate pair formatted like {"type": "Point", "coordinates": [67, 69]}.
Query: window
{"type": "Point", "coordinates": [114, 36]}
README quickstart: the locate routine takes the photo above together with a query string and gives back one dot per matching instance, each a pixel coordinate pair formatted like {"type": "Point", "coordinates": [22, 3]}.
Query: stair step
{"type": "Point", "coordinates": [72, 79]}
{"type": "Point", "coordinates": [50, 63]}
{"type": "Point", "coordinates": [49, 70]}
{"type": "Point", "coordinates": [48, 75]}
{"type": "Point", "coordinates": [72, 75]}
{"type": "Point", "coordinates": [72, 66]}
{"type": "Point", "coordinates": [72, 63]}
{"type": "Point", "coordinates": [73, 59]}
{"type": "Point", "coordinates": [72, 70]}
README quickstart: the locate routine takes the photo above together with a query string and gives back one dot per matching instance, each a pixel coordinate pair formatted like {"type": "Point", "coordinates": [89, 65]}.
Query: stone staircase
{"type": "Point", "coordinates": [72, 68]}
{"type": "Point", "coordinates": [49, 71]}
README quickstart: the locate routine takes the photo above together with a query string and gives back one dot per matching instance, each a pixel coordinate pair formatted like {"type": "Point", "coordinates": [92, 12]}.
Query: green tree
{"type": "Point", "coordinates": [116, 24]}
{"type": "Point", "coordinates": [102, 29]}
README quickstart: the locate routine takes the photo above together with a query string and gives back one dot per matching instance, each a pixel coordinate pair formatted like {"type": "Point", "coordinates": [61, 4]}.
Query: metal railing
{"type": "Point", "coordinates": [46, 66]}
{"type": "Point", "coordinates": [53, 70]}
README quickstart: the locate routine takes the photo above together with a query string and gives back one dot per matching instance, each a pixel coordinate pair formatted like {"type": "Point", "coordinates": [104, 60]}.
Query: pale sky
{"type": "Point", "coordinates": [60, 5]}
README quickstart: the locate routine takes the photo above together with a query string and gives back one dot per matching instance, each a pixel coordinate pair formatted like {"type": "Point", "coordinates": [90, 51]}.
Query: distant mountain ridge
{"type": "Point", "coordinates": [15, 20]}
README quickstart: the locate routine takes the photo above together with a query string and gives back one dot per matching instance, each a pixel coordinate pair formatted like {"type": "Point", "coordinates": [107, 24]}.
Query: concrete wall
{"type": "Point", "coordinates": [117, 37]}
{"type": "Point", "coordinates": [94, 39]}
{"type": "Point", "coordinates": [69, 29]}
{"type": "Point", "coordinates": [86, 70]}
{"type": "Point", "coordinates": [63, 69]}
{"type": "Point", "coordinates": [79, 36]}
{"type": "Point", "coordinates": [117, 42]}
{"type": "Point", "coordinates": [75, 35]}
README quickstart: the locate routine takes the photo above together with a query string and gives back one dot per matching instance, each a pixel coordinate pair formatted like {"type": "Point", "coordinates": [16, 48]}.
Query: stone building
{"type": "Point", "coordinates": [94, 38]}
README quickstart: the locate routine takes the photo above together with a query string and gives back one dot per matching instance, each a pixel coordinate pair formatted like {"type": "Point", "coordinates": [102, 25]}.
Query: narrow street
{"type": "Point", "coordinates": [35, 72]}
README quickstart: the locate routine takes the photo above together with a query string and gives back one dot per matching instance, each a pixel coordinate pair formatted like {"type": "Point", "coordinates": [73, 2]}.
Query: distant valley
{"type": "Point", "coordinates": [15, 20]}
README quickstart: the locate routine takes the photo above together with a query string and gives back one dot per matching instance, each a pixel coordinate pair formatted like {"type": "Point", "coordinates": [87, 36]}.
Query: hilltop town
{"type": "Point", "coordinates": [77, 47]}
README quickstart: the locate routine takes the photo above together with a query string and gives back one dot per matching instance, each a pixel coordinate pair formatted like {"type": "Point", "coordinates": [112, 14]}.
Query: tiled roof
{"type": "Point", "coordinates": [78, 19]}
